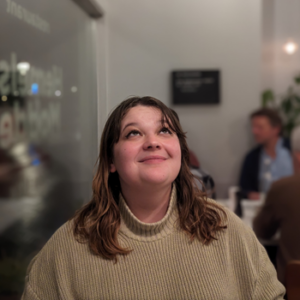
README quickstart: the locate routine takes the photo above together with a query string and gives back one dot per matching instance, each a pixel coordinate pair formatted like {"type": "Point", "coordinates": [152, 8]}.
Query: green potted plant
{"type": "Point", "coordinates": [288, 106]}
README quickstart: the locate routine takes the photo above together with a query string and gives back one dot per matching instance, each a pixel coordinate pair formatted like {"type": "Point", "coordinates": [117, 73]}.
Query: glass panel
{"type": "Point", "coordinates": [48, 126]}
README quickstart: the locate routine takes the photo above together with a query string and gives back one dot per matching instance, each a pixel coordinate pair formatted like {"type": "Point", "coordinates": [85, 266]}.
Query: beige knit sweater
{"type": "Point", "coordinates": [164, 264]}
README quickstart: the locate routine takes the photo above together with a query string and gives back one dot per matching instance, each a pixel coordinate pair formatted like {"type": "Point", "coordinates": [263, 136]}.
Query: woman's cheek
{"type": "Point", "coordinates": [174, 148]}
{"type": "Point", "coordinates": [127, 154]}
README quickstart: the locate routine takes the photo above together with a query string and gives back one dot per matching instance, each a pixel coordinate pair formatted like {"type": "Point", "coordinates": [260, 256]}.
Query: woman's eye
{"type": "Point", "coordinates": [132, 133]}
{"type": "Point", "coordinates": [165, 130]}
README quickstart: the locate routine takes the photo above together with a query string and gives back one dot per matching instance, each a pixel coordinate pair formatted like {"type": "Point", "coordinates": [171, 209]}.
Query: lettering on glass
{"type": "Point", "coordinates": [27, 16]}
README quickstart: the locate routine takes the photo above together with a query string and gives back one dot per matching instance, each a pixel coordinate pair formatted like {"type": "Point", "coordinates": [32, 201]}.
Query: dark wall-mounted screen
{"type": "Point", "coordinates": [196, 87]}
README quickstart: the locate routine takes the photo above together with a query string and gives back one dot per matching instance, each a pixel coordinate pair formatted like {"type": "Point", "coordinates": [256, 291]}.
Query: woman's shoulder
{"type": "Point", "coordinates": [247, 256]}
{"type": "Point", "coordinates": [53, 266]}
{"type": "Point", "coordinates": [229, 215]}
{"type": "Point", "coordinates": [236, 228]}
{"type": "Point", "coordinates": [63, 238]}
{"type": "Point", "coordinates": [54, 263]}
{"type": "Point", "coordinates": [58, 249]}
{"type": "Point", "coordinates": [239, 239]}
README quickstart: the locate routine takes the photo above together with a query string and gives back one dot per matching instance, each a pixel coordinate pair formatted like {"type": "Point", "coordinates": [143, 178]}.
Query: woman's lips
{"type": "Point", "coordinates": [153, 159]}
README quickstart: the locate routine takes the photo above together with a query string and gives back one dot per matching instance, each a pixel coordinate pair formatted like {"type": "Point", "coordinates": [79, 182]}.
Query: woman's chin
{"type": "Point", "coordinates": [157, 180]}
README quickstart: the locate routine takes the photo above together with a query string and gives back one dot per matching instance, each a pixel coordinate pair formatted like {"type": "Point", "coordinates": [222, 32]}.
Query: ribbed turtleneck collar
{"type": "Point", "coordinates": [132, 227]}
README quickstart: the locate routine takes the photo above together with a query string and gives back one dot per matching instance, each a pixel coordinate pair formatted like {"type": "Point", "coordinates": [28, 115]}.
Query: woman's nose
{"type": "Point", "coordinates": [151, 143]}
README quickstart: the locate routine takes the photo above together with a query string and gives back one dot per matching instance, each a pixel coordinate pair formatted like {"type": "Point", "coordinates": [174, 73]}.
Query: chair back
{"type": "Point", "coordinates": [293, 280]}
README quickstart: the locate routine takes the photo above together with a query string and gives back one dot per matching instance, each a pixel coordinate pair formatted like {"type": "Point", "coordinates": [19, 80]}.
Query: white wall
{"type": "Point", "coordinates": [281, 22]}
{"type": "Point", "coordinates": [268, 44]}
{"type": "Point", "coordinates": [102, 61]}
{"type": "Point", "coordinates": [148, 39]}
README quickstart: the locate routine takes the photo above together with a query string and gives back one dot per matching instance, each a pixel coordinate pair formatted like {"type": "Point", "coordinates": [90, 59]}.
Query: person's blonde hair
{"type": "Point", "coordinates": [98, 222]}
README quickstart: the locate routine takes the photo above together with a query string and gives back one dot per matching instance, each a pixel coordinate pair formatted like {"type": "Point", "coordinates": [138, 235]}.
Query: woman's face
{"type": "Point", "coordinates": [147, 153]}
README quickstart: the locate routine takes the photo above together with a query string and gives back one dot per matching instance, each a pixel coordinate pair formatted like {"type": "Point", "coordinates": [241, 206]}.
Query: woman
{"type": "Point", "coordinates": [148, 233]}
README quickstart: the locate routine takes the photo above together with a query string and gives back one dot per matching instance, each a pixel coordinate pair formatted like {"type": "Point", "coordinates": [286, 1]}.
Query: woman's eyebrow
{"type": "Point", "coordinates": [129, 124]}
{"type": "Point", "coordinates": [136, 124]}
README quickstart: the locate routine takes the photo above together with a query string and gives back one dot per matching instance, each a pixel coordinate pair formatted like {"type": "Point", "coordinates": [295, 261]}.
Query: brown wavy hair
{"type": "Point", "coordinates": [98, 222]}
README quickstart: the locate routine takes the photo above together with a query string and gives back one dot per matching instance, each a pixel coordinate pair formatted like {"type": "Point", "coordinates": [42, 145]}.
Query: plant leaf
{"type": "Point", "coordinates": [267, 97]}
{"type": "Point", "coordinates": [296, 114]}
{"type": "Point", "coordinates": [297, 79]}
{"type": "Point", "coordinates": [297, 98]}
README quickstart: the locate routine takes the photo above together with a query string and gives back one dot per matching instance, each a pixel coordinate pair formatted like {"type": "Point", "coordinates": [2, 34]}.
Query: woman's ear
{"type": "Point", "coordinates": [112, 168]}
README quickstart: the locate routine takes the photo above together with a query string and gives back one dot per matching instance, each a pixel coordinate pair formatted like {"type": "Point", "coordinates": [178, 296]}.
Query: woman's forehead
{"type": "Point", "coordinates": [142, 114]}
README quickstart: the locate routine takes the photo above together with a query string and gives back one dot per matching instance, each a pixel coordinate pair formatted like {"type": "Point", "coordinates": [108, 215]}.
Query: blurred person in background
{"type": "Point", "coordinates": [270, 160]}
{"type": "Point", "coordinates": [148, 232]}
{"type": "Point", "coordinates": [203, 180]}
{"type": "Point", "coordinates": [281, 211]}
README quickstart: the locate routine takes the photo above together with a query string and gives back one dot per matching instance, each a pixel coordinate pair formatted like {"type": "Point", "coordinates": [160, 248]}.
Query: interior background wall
{"type": "Point", "coordinates": [100, 26]}
{"type": "Point", "coordinates": [281, 22]}
{"type": "Point", "coordinates": [149, 39]}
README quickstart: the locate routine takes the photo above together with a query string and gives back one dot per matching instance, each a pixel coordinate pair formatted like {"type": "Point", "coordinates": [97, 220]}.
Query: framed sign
{"type": "Point", "coordinates": [196, 87]}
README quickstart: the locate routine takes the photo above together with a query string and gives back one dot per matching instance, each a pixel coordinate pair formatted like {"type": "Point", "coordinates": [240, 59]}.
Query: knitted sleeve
{"type": "Point", "coordinates": [255, 273]}
{"type": "Point", "coordinates": [29, 293]}
{"type": "Point", "coordinates": [267, 285]}
{"type": "Point", "coordinates": [42, 278]}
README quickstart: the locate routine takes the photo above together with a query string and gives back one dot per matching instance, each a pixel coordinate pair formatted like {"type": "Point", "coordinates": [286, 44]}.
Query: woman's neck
{"type": "Point", "coordinates": [149, 204]}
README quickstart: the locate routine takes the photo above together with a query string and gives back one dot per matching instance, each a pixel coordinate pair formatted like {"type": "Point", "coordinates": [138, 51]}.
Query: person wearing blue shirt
{"type": "Point", "coordinates": [270, 161]}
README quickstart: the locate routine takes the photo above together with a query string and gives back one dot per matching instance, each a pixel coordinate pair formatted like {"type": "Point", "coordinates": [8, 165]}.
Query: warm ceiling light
{"type": "Point", "coordinates": [290, 47]}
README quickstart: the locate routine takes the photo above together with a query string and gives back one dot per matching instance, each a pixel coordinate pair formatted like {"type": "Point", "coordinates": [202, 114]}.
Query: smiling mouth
{"type": "Point", "coordinates": [153, 159]}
